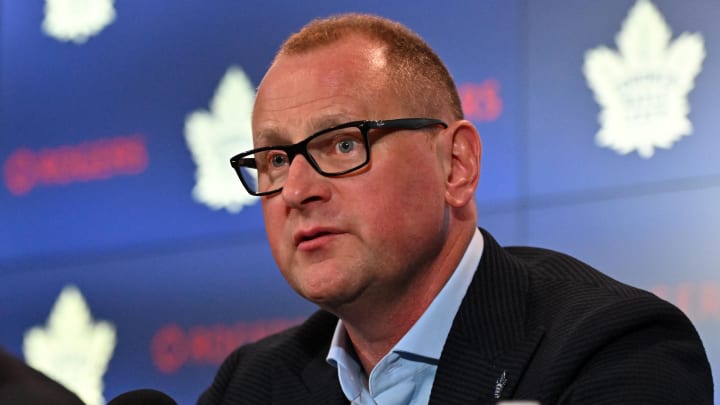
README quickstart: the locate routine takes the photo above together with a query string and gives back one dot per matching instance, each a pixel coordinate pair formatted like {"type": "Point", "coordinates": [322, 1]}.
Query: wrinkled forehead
{"type": "Point", "coordinates": [318, 89]}
{"type": "Point", "coordinates": [280, 133]}
{"type": "Point", "coordinates": [355, 62]}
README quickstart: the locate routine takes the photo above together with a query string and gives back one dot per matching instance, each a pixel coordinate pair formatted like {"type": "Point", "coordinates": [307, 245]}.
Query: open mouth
{"type": "Point", "coordinates": [312, 235]}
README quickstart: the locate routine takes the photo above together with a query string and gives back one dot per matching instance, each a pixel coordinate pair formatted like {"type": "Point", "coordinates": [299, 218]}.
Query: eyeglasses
{"type": "Point", "coordinates": [331, 152]}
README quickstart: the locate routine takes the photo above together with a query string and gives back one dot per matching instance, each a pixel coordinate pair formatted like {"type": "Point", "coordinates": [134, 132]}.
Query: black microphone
{"type": "Point", "coordinates": [145, 396]}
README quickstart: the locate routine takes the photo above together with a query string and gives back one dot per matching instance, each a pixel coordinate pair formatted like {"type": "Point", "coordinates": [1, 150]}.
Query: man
{"type": "Point", "coordinates": [373, 218]}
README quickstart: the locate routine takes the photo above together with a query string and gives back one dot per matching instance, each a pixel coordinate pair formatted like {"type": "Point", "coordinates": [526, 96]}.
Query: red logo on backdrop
{"type": "Point", "coordinates": [172, 347]}
{"type": "Point", "coordinates": [700, 301]}
{"type": "Point", "coordinates": [100, 159]}
{"type": "Point", "coordinates": [481, 101]}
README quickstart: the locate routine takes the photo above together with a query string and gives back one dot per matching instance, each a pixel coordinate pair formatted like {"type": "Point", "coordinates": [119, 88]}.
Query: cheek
{"type": "Point", "coordinates": [268, 218]}
{"type": "Point", "coordinates": [419, 185]}
{"type": "Point", "coordinates": [274, 227]}
{"type": "Point", "coordinates": [409, 199]}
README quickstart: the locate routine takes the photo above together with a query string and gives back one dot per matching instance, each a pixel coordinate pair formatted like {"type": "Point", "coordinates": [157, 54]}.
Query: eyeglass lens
{"type": "Point", "coordinates": [331, 152]}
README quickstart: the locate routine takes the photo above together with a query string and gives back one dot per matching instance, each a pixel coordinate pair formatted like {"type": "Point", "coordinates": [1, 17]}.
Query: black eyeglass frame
{"type": "Point", "coordinates": [240, 160]}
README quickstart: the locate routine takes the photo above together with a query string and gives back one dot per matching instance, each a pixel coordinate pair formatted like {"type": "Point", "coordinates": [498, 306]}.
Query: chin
{"type": "Point", "coordinates": [330, 299]}
{"type": "Point", "coordinates": [326, 283]}
{"type": "Point", "coordinates": [323, 299]}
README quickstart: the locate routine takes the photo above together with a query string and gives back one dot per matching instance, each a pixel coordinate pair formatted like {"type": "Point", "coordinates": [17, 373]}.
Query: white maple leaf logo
{"type": "Point", "coordinates": [72, 348]}
{"type": "Point", "coordinates": [77, 20]}
{"type": "Point", "coordinates": [643, 88]}
{"type": "Point", "coordinates": [216, 135]}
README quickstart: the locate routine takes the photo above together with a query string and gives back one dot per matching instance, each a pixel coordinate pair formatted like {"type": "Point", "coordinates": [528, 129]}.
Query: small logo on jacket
{"type": "Point", "coordinates": [500, 385]}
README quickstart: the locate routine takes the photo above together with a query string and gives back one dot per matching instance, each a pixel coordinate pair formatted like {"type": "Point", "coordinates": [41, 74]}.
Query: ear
{"type": "Point", "coordinates": [464, 170]}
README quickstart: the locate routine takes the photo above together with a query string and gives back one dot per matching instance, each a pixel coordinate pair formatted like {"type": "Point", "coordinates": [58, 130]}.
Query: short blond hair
{"type": "Point", "coordinates": [416, 71]}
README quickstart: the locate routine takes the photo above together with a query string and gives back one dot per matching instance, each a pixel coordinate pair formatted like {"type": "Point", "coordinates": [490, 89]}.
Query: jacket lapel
{"type": "Point", "coordinates": [309, 378]}
{"type": "Point", "coordinates": [489, 344]}
{"type": "Point", "coordinates": [321, 379]}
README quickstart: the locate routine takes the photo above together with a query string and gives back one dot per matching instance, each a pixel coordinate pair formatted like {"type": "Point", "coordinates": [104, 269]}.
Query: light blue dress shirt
{"type": "Point", "coordinates": [406, 374]}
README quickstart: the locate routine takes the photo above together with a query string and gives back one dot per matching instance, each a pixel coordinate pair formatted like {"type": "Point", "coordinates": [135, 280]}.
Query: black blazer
{"type": "Point", "coordinates": [534, 324]}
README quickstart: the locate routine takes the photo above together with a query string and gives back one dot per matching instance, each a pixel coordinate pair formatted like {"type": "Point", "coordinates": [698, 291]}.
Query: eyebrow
{"type": "Point", "coordinates": [269, 137]}
{"type": "Point", "coordinates": [329, 121]}
{"type": "Point", "coordinates": [273, 136]}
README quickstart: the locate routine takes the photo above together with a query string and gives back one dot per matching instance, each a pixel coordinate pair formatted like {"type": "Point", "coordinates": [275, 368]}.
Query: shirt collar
{"type": "Point", "coordinates": [427, 336]}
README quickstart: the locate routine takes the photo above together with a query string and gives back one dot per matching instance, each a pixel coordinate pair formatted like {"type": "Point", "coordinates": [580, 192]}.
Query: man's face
{"type": "Point", "coordinates": [367, 237]}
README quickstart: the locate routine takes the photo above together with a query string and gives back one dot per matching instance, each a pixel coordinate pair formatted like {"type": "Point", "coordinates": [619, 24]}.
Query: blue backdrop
{"type": "Point", "coordinates": [98, 172]}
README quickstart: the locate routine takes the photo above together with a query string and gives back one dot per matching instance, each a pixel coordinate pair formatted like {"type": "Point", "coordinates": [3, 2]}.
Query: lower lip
{"type": "Point", "coordinates": [316, 243]}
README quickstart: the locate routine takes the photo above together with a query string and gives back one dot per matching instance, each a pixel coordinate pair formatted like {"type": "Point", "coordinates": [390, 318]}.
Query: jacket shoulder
{"type": "Point", "coordinates": [251, 373]}
{"type": "Point", "coordinates": [549, 267]}
{"type": "Point", "coordinates": [601, 332]}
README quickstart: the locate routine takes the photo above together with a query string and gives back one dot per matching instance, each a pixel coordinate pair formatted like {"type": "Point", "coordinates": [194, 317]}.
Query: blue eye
{"type": "Point", "coordinates": [346, 145]}
{"type": "Point", "coordinates": [278, 160]}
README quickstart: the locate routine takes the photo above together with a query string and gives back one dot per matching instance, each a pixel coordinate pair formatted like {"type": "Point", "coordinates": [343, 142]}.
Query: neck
{"type": "Point", "coordinates": [375, 324]}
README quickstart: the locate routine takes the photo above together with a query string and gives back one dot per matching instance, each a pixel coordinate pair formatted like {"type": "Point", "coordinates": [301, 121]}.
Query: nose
{"type": "Point", "coordinates": [304, 184]}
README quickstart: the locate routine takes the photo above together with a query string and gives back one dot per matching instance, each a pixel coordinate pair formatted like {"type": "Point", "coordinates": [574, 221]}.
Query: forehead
{"type": "Point", "coordinates": [304, 93]}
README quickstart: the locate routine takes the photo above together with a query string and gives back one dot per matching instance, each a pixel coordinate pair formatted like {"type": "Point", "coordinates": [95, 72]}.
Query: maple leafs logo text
{"type": "Point", "coordinates": [643, 88]}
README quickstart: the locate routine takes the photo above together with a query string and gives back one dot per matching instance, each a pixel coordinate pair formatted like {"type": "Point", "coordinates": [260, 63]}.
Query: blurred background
{"type": "Point", "coordinates": [131, 257]}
